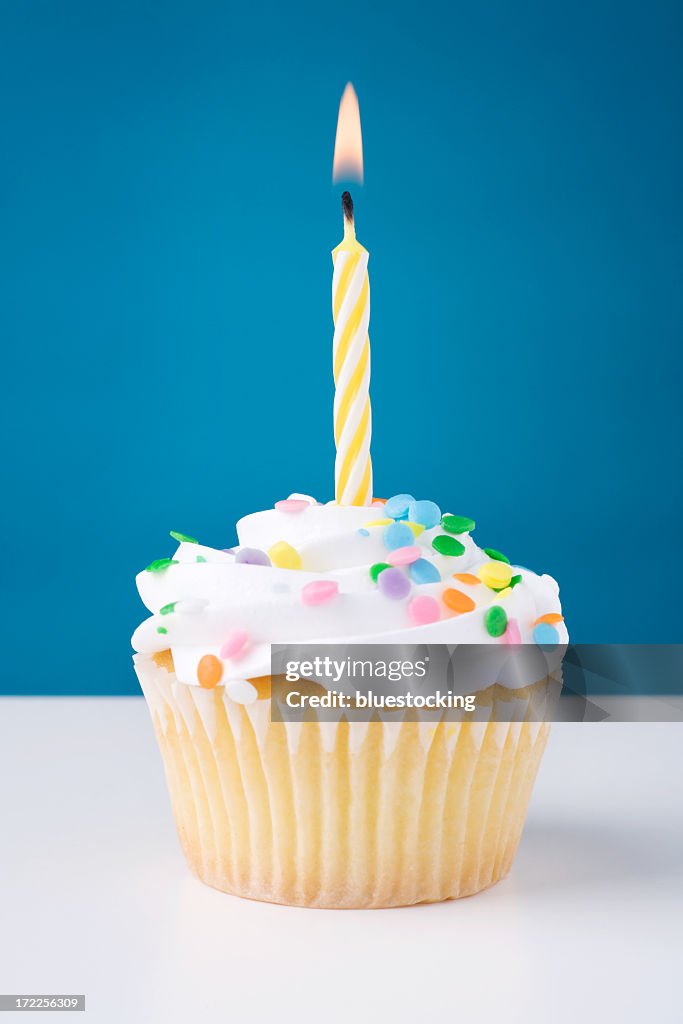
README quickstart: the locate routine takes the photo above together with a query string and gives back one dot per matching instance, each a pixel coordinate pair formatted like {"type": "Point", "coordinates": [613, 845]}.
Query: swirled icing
{"type": "Point", "coordinates": [206, 594]}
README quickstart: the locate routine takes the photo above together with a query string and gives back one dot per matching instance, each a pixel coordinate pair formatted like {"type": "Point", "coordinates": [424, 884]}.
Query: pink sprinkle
{"type": "Point", "coordinates": [291, 505]}
{"type": "Point", "coordinates": [319, 591]}
{"type": "Point", "coordinates": [512, 636]}
{"type": "Point", "coordinates": [234, 643]}
{"type": "Point", "coordinates": [378, 504]}
{"type": "Point", "coordinates": [404, 556]}
{"type": "Point", "coordinates": [423, 610]}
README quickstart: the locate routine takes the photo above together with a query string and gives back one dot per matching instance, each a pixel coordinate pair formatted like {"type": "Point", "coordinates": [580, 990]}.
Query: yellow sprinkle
{"type": "Point", "coordinates": [417, 528]}
{"type": "Point", "coordinates": [496, 575]}
{"type": "Point", "coordinates": [380, 522]}
{"type": "Point", "coordinates": [503, 593]}
{"type": "Point", "coordinates": [284, 556]}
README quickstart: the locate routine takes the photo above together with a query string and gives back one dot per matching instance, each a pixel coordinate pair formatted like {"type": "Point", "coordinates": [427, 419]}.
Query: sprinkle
{"type": "Point", "coordinates": [495, 620]}
{"type": "Point", "coordinates": [284, 556]}
{"type": "Point", "coordinates": [241, 691]}
{"type": "Point", "coordinates": [377, 568]}
{"type": "Point", "coordinates": [209, 671]}
{"type": "Point", "coordinates": [228, 551]}
{"type": "Point", "coordinates": [515, 580]}
{"type": "Point", "coordinates": [457, 601]}
{"type": "Point", "coordinates": [426, 512]}
{"type": "Point", "coordinates": [466, 577]}
{"type": "Point", "coordinates": [234, 642]}
{"type": "Point", "coordinates": [200, 558]}
{"type": "Point", "coordinates": [162, 629]}
{"type": "Point", "coordinates": [363, 532]}
{"type": "Point", "coordinates": [252, 556]}
{"type": "Point", "coordinates": [378, 503]}
{"type": "Point", "coordinates": [379, 522]}
{"type": "Point", "coordinates": [512, 636]}
{"type": "Point", "coordinates": [457, 524]}
{"type": "Point", "coordinates": [505, 592]}
{"type": "Point", "coordinates": [397, 536]}
{"type": "Point", "coordinates": [397, 507]}
{"type": "Point", "coordinates": [497, 556]}
{"type": "Point", "coordinates": [292, 505]}
{"type": "Point", "coordinates": [417, 528]}
{"type": "Point", "coordinates": [423, 571]}
{"type": "Point", "coordinates": [423, 610]}
{"type": "Point", "coordinates": [496, 575]}
{"type": "Point", "coordinates": [447, 545]}
{"type": "Point", "coordinates": [168, 608]}
{"type": "Point", "coordinates": [394, 584]}
{"type": "Point", "coordinates": [183, 538]}
{"type": "Point", "coordinates": [404, 556]}
{"type": "Point", "coordinates": [546, 636]}
{"type": "Point", "coordinates": [550, 617]}
{"type": "Point", "coordinates": [319, 591]}
{"type": "Point", "coordinates": [159, 564]}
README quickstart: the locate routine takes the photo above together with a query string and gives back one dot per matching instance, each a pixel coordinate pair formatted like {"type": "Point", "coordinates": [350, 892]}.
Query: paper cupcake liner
{"type": "Point", "coordinates": [325, 814]}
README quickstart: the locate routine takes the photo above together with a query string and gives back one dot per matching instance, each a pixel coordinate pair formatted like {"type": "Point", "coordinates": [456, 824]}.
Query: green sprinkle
{"type": "Point", "coordinates": [377, 568]}
{"type": "Point", "coordinates": [159, 564]}
{"type": "Point", "coordinates": [495, 620]}
{"type": "Point", "coordinates": [183, 538]}
{"type": "Point", "coordinates": [447, 545]}
{"type": "Point", "coordinates": [161, 629]}
{"type": "Point", "coordinates": [200, 558]}
{"type": "Point", "coordinates": [168, 608]}
{"type": "Point", "coordinates": [515, 580]}
{"type": "Point", "coordinates": [497, 556]}
{"type": "Point", "coordinates": [457, 524]}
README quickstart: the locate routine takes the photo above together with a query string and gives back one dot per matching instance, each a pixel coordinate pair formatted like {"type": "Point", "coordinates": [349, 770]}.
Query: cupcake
{"type": "Point", "coordinates": [343, 813]}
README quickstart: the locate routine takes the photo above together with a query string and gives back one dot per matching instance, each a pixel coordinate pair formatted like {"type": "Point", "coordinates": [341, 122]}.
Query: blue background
{"type": "Point", "coordinates": [167, 221]}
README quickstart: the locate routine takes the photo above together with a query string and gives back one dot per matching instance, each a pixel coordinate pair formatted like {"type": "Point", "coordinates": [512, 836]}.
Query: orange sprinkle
{"type": "Point", "coordinates": [457, 601]}
{"type": "Point", "coordinates": [209, 671]}
{"type": "Point", "coordinates": [550, 617]}
{"type": "Point", "coordinates": [466, 577]}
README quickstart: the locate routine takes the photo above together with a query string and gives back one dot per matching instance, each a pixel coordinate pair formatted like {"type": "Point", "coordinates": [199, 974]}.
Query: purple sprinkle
{"type": "Point", "coordinates": [252, 556]}
{"type": "Point", "coordinates": [393, 584]}
{"type": "Point", "coordinates": [229, 551]}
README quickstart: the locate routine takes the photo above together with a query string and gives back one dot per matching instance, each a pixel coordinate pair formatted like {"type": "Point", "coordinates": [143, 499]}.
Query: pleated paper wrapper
{"type": "Point", "coordinates": [344, 814]}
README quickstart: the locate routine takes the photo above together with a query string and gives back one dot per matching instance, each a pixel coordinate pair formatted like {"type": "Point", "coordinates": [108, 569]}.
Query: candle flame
{"type": "Point", "coordinates": [348, 145]}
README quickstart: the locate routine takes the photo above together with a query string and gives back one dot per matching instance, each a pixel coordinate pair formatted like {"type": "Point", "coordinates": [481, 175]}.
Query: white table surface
{"type": "Point", "coordinates": [95, 896]}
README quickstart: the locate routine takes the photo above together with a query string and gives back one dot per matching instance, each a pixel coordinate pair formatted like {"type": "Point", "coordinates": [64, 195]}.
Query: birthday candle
{"type": "Point", "coordinates": [351, 365]}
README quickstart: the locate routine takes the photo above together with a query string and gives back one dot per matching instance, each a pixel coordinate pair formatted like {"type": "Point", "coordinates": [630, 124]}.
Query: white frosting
{"type": "Point", "coordinates": [217, 595]}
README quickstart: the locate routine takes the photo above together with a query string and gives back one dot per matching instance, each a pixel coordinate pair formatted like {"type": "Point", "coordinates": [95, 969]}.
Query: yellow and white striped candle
{"type": "Point", "coordinates": [351, 353]}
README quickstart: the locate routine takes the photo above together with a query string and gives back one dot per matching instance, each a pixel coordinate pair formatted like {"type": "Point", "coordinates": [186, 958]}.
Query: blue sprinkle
{"type": "Point", "coordinates": [397, 507]}
{"type": "Point", "coordinates": [546, 636]}
{"type": "Point", "coordinates": [426, 512]}
{"type": "Point", "coordinates": [364, 533]}
{"type": "Point", "coordinates": [423, 571]}
{"type": "Point", "coordinates": [397, 535]}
